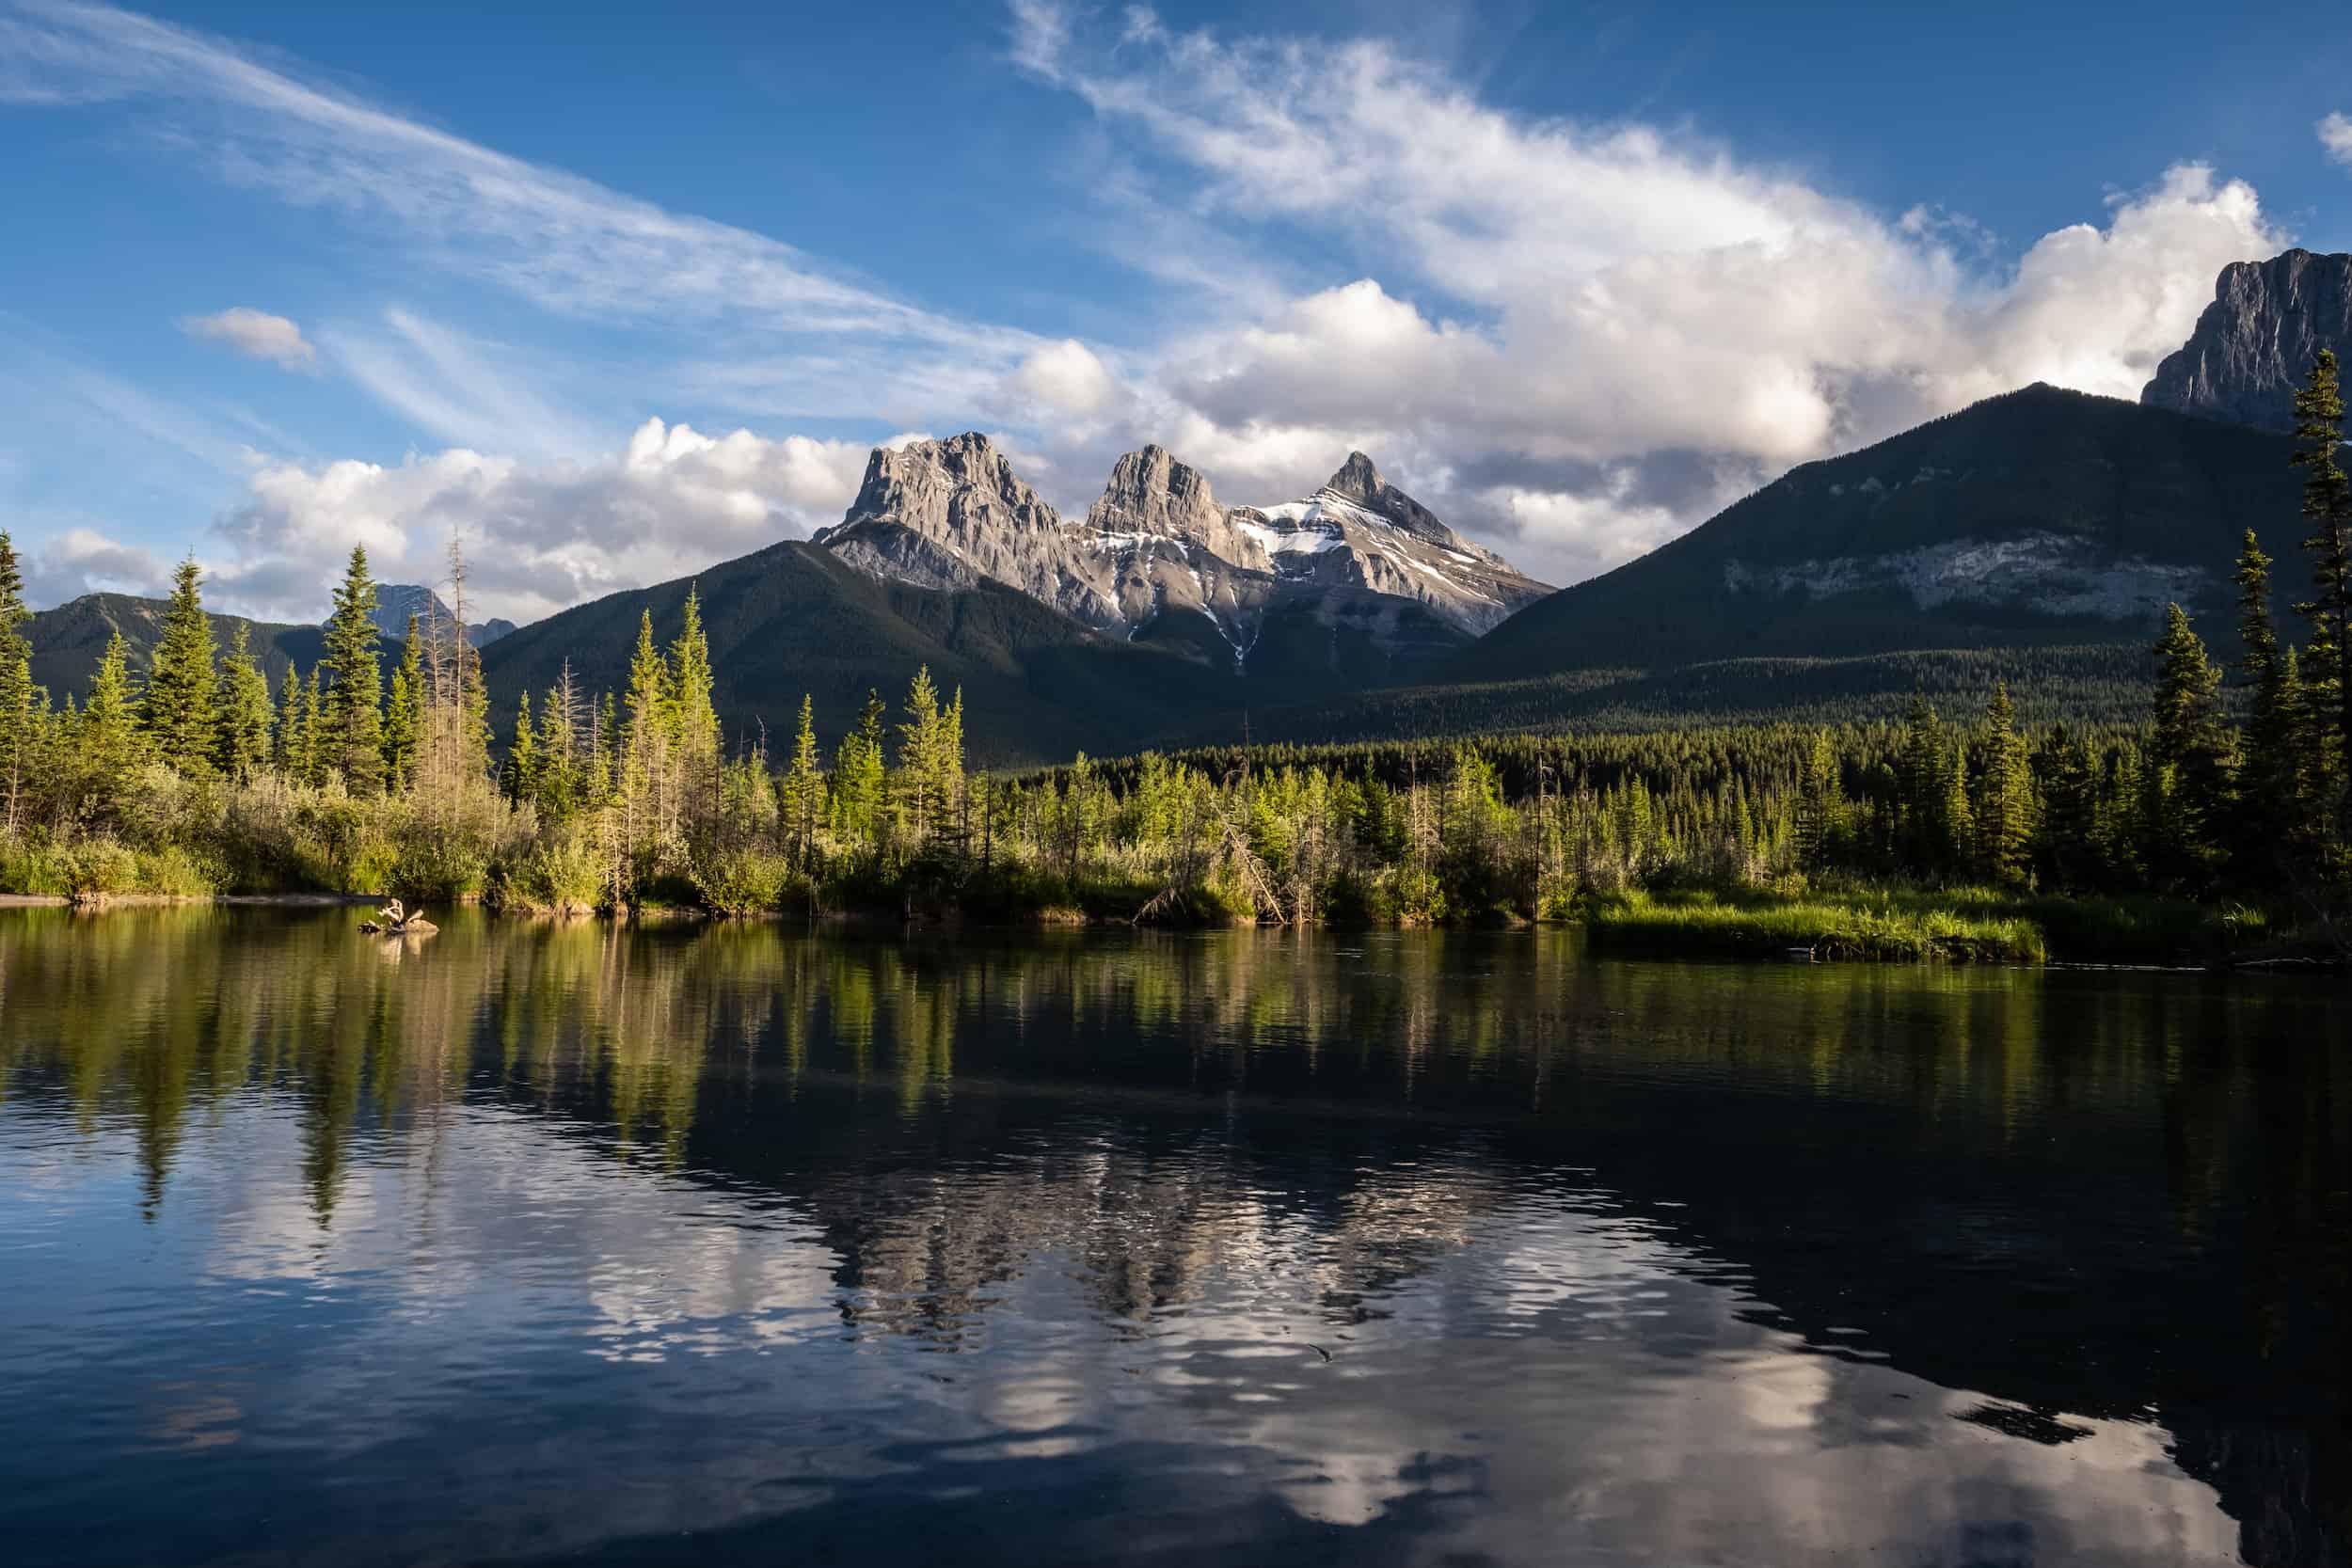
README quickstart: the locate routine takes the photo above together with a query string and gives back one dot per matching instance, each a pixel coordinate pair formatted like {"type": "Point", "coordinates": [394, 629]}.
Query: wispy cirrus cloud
{"type": "Point", "coordinates": [564, 243]}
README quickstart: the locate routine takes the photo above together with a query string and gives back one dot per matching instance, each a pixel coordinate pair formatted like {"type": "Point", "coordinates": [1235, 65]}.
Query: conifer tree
{"type": "Point", "coordinates": [803, 786]}
{"type": "Point", "coordinates": [108, 743]}
{"type": "Point", "coordinates": [858, 777]}
{"type": "Point", "coordinates": [241, 711]}
{"type": "Point", "coordinates": [557, 788]}
{"type": "Point", "coordinates": [350, 715]}
{"type": "Point", "coordinates": [2327, 507]}
{"type": "Point", "coordinates": [2003, 805]}
{"type": "Point", "coordinates": [1819, 803]}
{"type": "Point", "coordinates": [646, 749]}
{"type": "Point", "coordinates": [2188, 748]}
{"type": "Point", "coordinates": [519, 775]}
{"type": "Point", "coordinates": [177, 709]}
{"type": "Point", "coordinates": [693, 717]}
{"type": "Point", "coordinates": [18, 717]}
{"type": "Point", "coordinates": [403, 712]}
{"type": "Point", "coordinates": [2268, 770]}
{"type": "Point", "coordinates": [921, 767]}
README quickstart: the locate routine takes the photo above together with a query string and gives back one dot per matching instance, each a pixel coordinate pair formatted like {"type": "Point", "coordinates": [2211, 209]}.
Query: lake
{"type": "Point", "coordinates": [746, 1245]}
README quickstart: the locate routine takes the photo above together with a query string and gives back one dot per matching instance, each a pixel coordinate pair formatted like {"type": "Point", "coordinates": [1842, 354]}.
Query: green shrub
{"type": "Point", "coordinates": [743, 881]}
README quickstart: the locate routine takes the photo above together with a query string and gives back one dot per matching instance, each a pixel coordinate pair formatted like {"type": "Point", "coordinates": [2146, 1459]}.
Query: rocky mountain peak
{"type": "Point", "coordinates": [2256, 340]}
{"type": "Point", "coordinates": [1151, 492]}
{"type": "Point", "coordinates": [1357, 478]}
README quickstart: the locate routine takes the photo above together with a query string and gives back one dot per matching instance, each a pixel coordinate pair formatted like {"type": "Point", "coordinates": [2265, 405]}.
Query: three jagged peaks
{"type": "Point", "coordinates": [1158, 555]}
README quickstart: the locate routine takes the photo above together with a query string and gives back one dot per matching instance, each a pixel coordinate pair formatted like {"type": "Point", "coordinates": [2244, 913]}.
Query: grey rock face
{"type": "Point", "coordinates": [1156, 543]}
{"type": "Point", "coordinates": [948, 513]}
{"type": "Point", "coordinates": [396, 601]}
{"type": "Point", "coordinates": [2256, 340]}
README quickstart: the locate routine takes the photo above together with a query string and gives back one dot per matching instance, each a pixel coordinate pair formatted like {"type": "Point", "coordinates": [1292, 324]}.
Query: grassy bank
{"type": "Point", "coordinates": [1909, 924]}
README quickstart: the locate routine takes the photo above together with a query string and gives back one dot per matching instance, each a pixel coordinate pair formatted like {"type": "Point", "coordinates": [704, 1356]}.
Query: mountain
{"type": "Point", "coordinates": [396, 601]}
{"type": "Point", "coordinates": [2041, 517]}
{"type": "Point", "coordinates": [2256, 341]}
{"type": "Point", "coordinates": [1355, 585]}
{"type": "Point", "coordinates": [68, 639]}
{"type": "Point", "coordinates": [1038, 684]}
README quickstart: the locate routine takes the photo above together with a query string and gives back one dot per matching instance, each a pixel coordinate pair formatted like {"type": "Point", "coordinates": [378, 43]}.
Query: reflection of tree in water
{"type": "Point", "coordinates": [1971, 1168]}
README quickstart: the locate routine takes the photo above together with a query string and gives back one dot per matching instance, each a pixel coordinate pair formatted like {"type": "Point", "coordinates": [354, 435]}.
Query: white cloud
{"type": "Point", "coordinates": [1066, 377]}
{"type": "Point", "coordinates": [256, 333]}
{"type": "Point", "coordinates": [83, 560]}
{"type": "Point", "coordinates": [538, 536]}
{"type": "Point", "coordinates": [1633, 311]}
{"type": "Point", "coordinates": [2335, 135]}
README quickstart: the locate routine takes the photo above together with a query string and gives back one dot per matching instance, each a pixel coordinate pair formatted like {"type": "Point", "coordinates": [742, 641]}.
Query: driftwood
{"type": "Point", "coordinates": [394, 921]}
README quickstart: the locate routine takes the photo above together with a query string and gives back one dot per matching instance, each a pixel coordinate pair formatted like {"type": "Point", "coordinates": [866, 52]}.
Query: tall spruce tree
{"type": "Point", "coordinates": [804, 787]}
{"type": "Point", "coordinates": [241, 711]}
{"type": "Point", "coordinates": [17, 718]}
{"type": "Point", "coordinates": [2269, 771]}
{"type": "Point", "coordinates": [2327, 507]}
{"type": "Point", "coordinates": [2189, 779]}
{"type": "Point", "coordinates": [403, 712]}
{"type": "Point", "coordinates": [518, 774]}
{"type": "Point", "coordinates": [692, 713]}
{"type": "Point", "coordinates": [645, 783]}
{"type": "Point", "coordinates": [350, 716]}
{"type": "Point", "coordinates": [177, 709]}
{"type": "Point", "coordinates": [2005, 803]}
{"type": "Point", "coordinates": [109, 745]}
{"type": "Point", "coordinates": [859, 776]}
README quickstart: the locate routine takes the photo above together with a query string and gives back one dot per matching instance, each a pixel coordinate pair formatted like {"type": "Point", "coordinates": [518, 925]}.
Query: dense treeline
{"type": "Point", "coordinates": [197, 777]}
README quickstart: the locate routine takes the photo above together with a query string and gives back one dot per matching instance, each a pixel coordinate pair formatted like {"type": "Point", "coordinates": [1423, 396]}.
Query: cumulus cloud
{"type": "Point", "coordinates": [2335, 135]}
{"type": "Point", "coordinates": [1591, 301]}
{"type": "Point", "coordinates": [256, 333]}
{"type": "Point", "coordinates": [538, 536]}
{"type": "Point", "coordinates": [1065, 379]}
{"type": "Point", "coordinates": [83, 560]}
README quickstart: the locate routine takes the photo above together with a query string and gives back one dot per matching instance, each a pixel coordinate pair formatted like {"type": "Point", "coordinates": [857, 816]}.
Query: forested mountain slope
{"type": "Point", "coordinates": [793, 619]}
{"type": "Point", "coordinates": [68, 640]}
{"type": "Point", "coordinates": [2039, 517]}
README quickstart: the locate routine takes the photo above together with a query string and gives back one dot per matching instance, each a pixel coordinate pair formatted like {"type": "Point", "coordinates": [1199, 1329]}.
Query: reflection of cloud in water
{"type": "Point", "coordinates": [1537, 1372]}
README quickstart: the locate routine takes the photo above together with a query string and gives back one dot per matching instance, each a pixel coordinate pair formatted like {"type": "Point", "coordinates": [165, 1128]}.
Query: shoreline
{"type": "Point", "coordinates": [1753, 936]}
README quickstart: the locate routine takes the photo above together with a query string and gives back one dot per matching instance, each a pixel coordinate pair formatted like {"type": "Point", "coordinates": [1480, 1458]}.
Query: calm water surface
{"type": "Point", "coordinates": [745, 1246]}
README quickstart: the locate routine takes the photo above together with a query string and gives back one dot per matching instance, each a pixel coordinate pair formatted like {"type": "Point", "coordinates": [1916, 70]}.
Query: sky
{"type": "Point", "coordinates": [609, 296]}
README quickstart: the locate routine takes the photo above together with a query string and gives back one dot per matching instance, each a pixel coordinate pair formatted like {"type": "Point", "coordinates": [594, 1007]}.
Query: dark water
{"type": "Point", "coordinates": [743, 1246]}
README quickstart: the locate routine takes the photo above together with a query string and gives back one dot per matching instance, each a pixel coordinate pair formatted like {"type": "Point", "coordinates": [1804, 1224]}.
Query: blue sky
{"type": "Point", "coordinates": [616, 294]}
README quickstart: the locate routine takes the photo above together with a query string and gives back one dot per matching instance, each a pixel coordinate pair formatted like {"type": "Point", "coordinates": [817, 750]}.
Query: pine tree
{"type": "Point", "coordinates": [645, 754]}
{"type": "Point", "coordinates": [177, 709]}
{"type": "Point", "coordinates": [241, 711]}
{"type": "Point", "coordinates": [403, 712]}
{"type": "Point", "coordinates": [2003, 805]}
{"type": "Point", "coordinates": [1924, 794]}
{"type": "Point", "coordinates": [18, 717]}
{"type": "Point", "coordinates": [108, 744]}
{"type": "Point", "coordinates": [519, 775]}
{"type": "Point", "coordinates": [557, 790]}
{"type": "Point", "coordinates": [858, 777]}
{"type": "Point", "coordinates": [2270, 774]}
{"type": "Point", "coordinates": [2188, 748]}
{"type": "Point", "coordinates": [920, 768]}
{"type": "Point", "coordinates": [350, 718]}
{"type": "Point", "coordinates": [1820, 802]}
{"type": "Point", "coordinates": [692, 715]}
{"type": "Point", "coordinates": [2327, 507]}
{"type": "Point", "coordinates": [803, 786]}
{"type": "Point", "coordinates": [2066, 846]}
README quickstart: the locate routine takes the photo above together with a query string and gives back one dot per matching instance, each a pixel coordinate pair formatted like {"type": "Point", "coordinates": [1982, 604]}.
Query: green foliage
{"type": "Point", "coordinates": [403, 727]}
{"type": "Point", "coordinates": [241, 715]}
{"type": "Point", "coordinates": [350, 702]}
{"type": "Point", "coordinates": [177, 709]}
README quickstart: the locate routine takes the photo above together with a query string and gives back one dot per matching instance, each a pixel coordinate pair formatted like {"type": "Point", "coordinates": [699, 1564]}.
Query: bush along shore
{"type": "Point", "coordinates": [2186, 839]}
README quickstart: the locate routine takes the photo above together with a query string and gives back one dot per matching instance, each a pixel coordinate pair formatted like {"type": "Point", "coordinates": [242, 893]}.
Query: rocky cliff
{"type": "Point", "coordinates": [1360, 569]}
{"type": "Point", "coordinates": [2256, 340]}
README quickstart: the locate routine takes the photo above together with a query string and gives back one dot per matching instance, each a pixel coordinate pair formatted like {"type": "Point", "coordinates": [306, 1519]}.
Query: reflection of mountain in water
{"type": "Point", "coordinates": [2084, 1198]}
